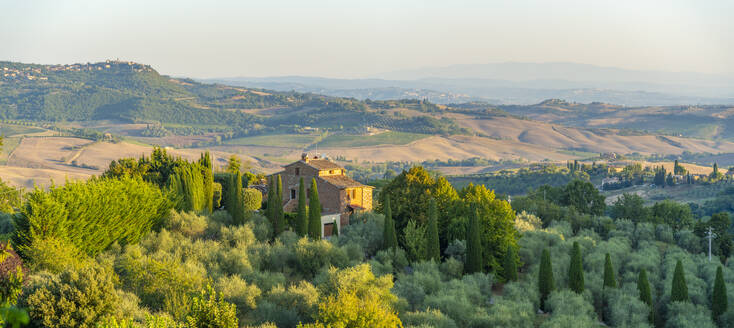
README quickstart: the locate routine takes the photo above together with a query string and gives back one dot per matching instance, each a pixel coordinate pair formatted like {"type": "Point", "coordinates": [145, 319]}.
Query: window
{"type": "Point", "coordinates": [293, 194]}
{"type": "Point", "coordinates": [298, 171]}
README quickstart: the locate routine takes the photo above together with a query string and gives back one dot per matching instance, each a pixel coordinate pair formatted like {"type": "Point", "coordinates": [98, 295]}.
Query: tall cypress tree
{"type": "Point", "coordinates": [278, 219]}
{"type": "Point", "coordinates": [335, 230]}
{"type": "Point", "coordinates": [314, 212]}
{"type": "Point", "coordinates": [387, 213]}
{"type": "Point", "coordinates": [609, 280]}
{"type": "Point", "coordinates": [389, 235]}
{"type": "Point", "coordinates": [238, 207]}
{"type": "Point", "coordinates": [433, 250]}
{"type": "Point", "coordinates": [643, 286]}
{"type": "Point", "coordinates": [206, 164]}
{"type": "Point", "coordinates": [302, 218]}
{"type": "Point", "coordinates": [719, 301]}
{"type": "Point", "coordinates": [509, 267]}
{"type": "Point", "coordinates": [473, 246]}
{"type": "Point", "coordinates": [576, 270]}
{"type": "Point", "coordinates": [679, 291]}
{"type": "Point", "coordinates": [270, 211]}
{"type": "Point", "coordinates": [546, 282]}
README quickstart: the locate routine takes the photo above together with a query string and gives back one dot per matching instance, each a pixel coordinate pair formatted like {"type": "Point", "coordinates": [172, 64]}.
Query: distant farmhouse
{"type": "Point", "coordinates": [340, 196]}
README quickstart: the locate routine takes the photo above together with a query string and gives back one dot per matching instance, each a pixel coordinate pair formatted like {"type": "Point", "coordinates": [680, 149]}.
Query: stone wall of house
{"type": "Point", "coordinates": [332, 199]}
{"type": "Point", "coordinates": [367, 198]}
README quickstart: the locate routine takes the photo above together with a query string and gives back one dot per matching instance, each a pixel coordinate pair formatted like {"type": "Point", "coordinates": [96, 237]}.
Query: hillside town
{"type": "Point", "coordinates": [10, 72]}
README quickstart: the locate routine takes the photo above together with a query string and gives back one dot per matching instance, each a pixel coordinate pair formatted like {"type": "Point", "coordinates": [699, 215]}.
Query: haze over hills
{"type": "Point", "coordinates": [518, 83]}
{"type": "Point", "coordinates": [135, 104]}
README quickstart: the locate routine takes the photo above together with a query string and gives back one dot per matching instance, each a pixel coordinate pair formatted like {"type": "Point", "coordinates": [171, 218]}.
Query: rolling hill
{"type": "Point", "coordinates": [79, 103]}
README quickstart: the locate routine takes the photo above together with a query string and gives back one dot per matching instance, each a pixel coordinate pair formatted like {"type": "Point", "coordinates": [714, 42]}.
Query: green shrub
{"type": "Point", "coordinates": [687, 315]}
{"type": "Point", "coordinates": [506, 313]}
{"type": "Point", "coordinates": [261, 226]}
{"type": "Point", "coordinates": [252, 199]}
{"type": "Point", "coordinates": [429, 318]}
{"type": "Point", "coordinates": [301, 298]}
{"type": "Point", "coordinates": [73, 298]}
{"type": "Point", "coordinates": [626, 310]}
{"type": "Point", "coordinates": [238, 292]}
{"type": "Point", "coordinates": [189, 224]}
{"type": "Point", "coordinates": [365, 230]}
{"type": "Point", "coordinates": [53, 254]}
{"type": "Point", "coordinates": [209, 311]}
{"type": "Point", "coordinates": [161, 281]}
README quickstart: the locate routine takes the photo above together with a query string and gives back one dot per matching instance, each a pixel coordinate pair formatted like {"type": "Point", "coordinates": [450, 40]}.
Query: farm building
{"type": "Point", "coordinates": [340, 196]}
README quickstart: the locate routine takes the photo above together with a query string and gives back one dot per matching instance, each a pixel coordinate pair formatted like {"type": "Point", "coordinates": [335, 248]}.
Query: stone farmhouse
{"type": "Point", "coordinates": [340, 196]}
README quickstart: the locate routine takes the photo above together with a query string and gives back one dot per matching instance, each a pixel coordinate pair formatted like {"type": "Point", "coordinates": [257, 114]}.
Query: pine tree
{"type": "Point", "coordinates": [314, 212]}
{"type": "Point", "coordinates": [719, 301]}
{"type": "Point", "coordinates": [278, 219]}
{"type": "Point", "coordinates": [643, 286]}
{"type": "Point", "coordinates": [546, 283]}
{"type": "Point", "coordinates": [389, 235]}
{"type": "Point", "coordinates": [302, 217]}
{"type": "Point", "coordinates": [576, 270]}
{"type": "Point", "coordinates": [473, 246]}
{"type": "Point", "coordinates": [509, 267]}
{"type": "Point", "coordinates": [609, 280]}
{"type": "Point", "coordinates": [433, 250]}
{"type": "Point", "coordinates": [679, 291]}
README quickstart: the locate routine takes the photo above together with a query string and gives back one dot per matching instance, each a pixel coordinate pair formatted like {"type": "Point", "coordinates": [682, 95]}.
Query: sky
{"type": "Point", "coordinates": [354, 39]}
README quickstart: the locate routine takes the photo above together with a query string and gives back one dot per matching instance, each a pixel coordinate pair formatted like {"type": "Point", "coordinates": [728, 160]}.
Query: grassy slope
{"type": "Point", "coordinates": [275, 140]}
{"type": "Point", "coordinates": [386, 138]}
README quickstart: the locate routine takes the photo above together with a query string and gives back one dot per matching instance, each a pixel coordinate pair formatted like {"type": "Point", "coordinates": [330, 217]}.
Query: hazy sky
{"type": "Point", "coordinates": [219, 38]}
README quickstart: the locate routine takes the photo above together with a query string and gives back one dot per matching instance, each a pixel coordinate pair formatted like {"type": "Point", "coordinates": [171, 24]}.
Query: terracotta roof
{"type": "Point", "coordinates": [323, 164]}
{"type": "Point", "coordinates": [342, 181]}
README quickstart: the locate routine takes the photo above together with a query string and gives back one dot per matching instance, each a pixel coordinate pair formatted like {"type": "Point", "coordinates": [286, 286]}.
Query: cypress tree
{"type": "Point", "coordinates": [679, 291]}
{"type": "Point", "coordinates": [238, 207]}
{"type": "Point", "coordinates": [546, 282]}
{"type": "Point", "coordinates": [576, 270]}
{"type": "Point", "coordinates": [387, 213]}
{"type": "Point", "coordinates": [609, 280]}
{"type": "Point", "coordinates": [302, 217]}
{"type": "Point", "coordinates": [206, 164]}
{"type": "Point", "coordinates": [509, 267]}
{"type": "Point", "coordinates": [269, 212]}
{"type": "Point", "coordinates": [314, 212]}
{"type": "Point", "coordinates": [719, 301]}
{"type": "Point", "coordinates": [390, 238]}
{"type": "Point", "coordinates": [433, 250]}
{"type": "Point", "coordinates": [335, 230]}
{"type": "Point", "coordinates": [473, 246]}
{"type": "Point", "coordinates": [278, 224]}
{"type": "Point", "coordinates": [188, 184]}
{"type": "Point", "coordinates": [643, 286]}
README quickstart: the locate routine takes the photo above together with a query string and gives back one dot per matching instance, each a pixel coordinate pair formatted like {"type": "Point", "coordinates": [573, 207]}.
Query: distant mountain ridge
{"type": "Point", "coordinates": [518, 83]}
